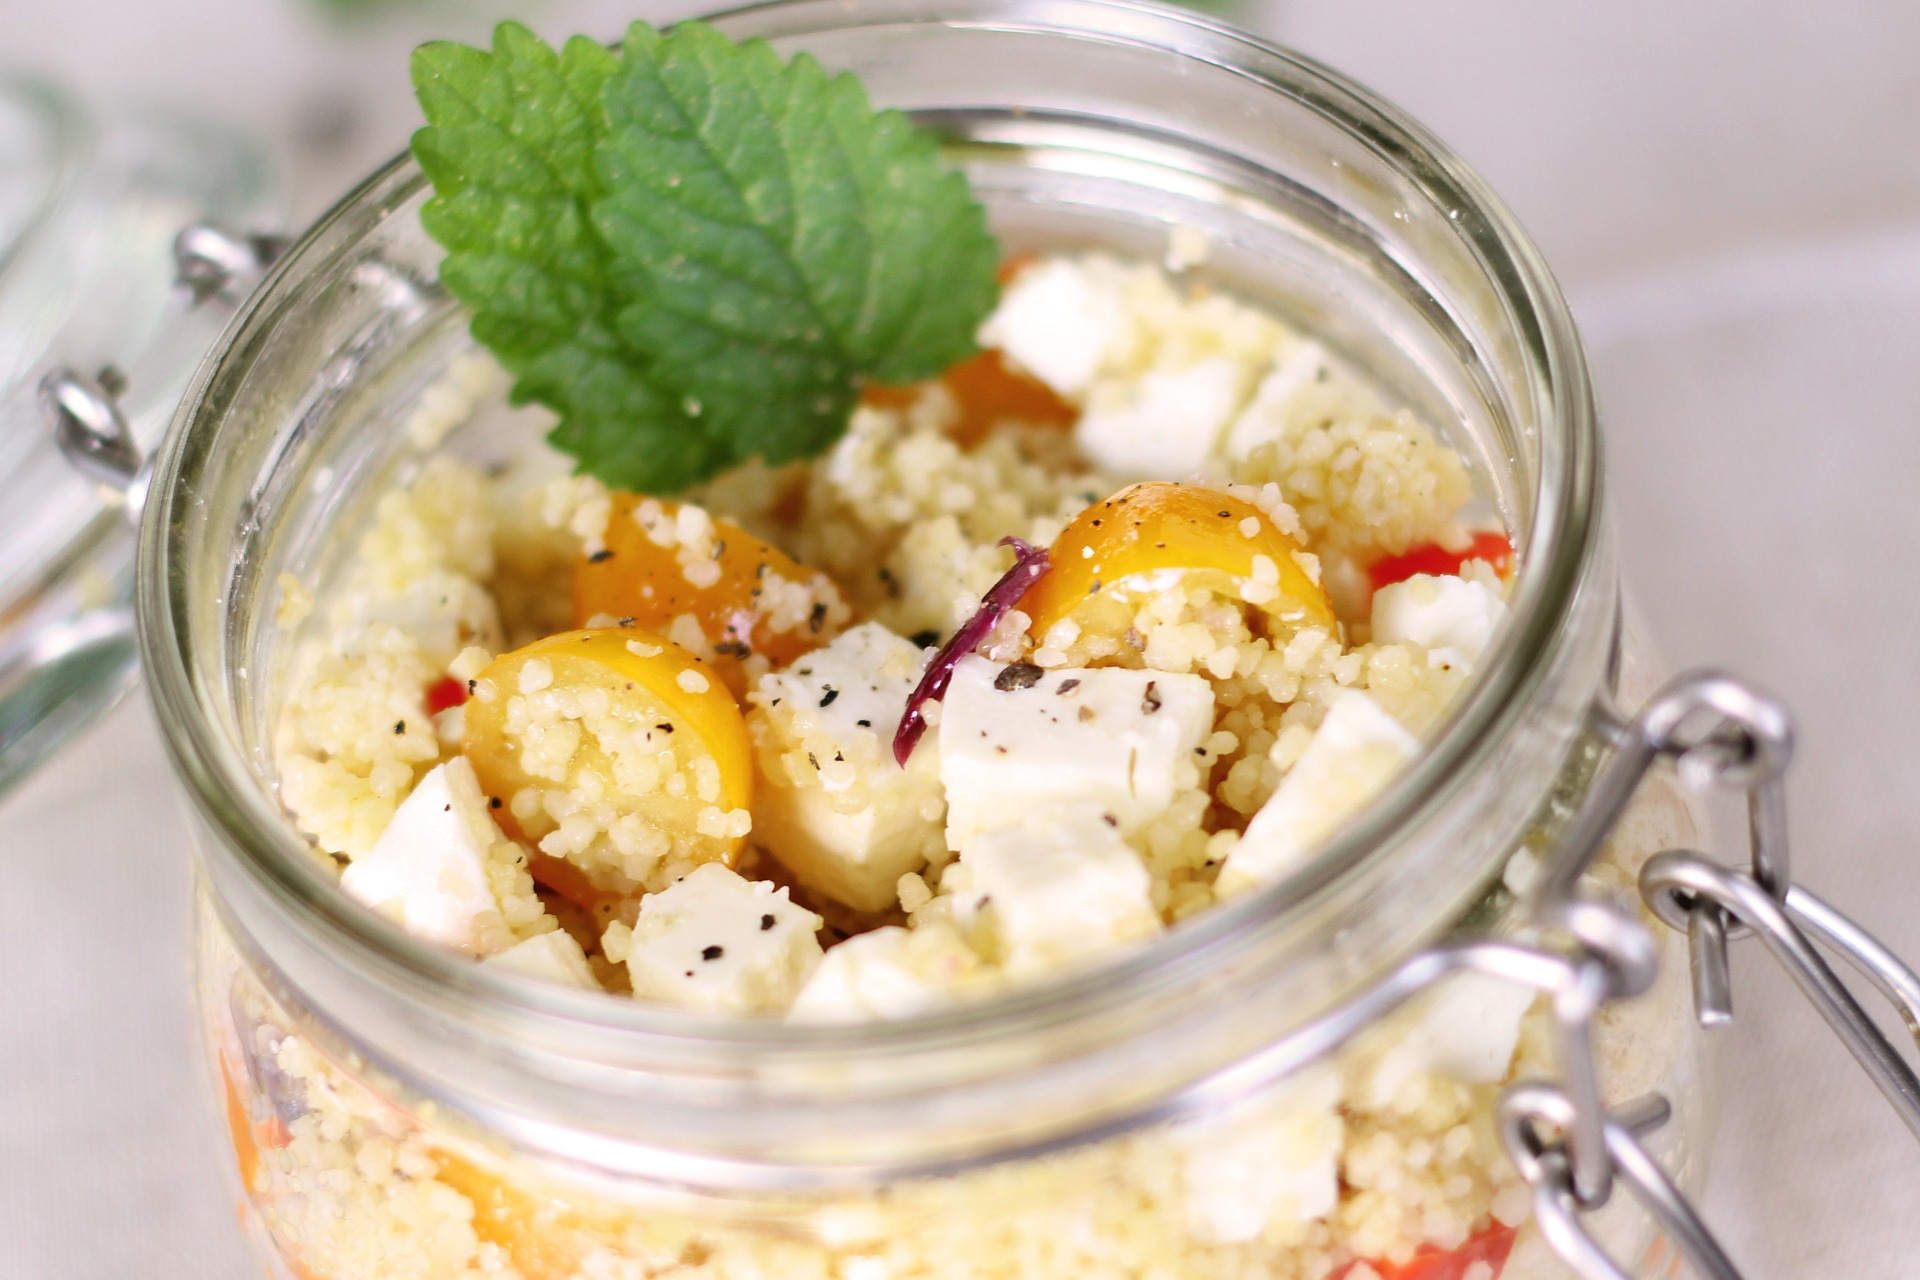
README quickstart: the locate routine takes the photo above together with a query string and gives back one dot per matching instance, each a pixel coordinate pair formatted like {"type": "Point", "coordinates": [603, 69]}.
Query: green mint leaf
{"type": "Point", "coordinates": [509, 148]}
{"type": "Point", "coordinates": [695, 253]}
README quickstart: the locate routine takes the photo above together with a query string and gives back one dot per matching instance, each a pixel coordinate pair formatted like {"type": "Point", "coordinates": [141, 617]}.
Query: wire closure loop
{"type": "Point", "coordinates": [1530, 1116]}
{"type": "Point", "coordinates": [1672, 880]}
{"type": "Point", "coordinates": [1568, 1148]}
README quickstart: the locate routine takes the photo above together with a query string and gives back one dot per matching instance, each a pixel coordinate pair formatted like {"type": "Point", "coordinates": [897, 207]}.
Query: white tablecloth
{"type": "Point", "coordinates": [1723, 187]}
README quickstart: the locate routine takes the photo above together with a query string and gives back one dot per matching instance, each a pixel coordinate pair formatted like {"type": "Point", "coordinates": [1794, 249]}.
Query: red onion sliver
{"type": "Point", "coordinates": [1029, 562]}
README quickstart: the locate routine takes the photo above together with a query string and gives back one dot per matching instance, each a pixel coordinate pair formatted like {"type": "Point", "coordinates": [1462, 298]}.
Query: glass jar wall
{"type": "Point", "coordinates": [1184, 1110]}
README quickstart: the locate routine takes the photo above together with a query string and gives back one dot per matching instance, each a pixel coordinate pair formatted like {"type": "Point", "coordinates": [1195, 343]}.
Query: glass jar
{"type": "Point", "coordinates": [90, 203]}
{"type": "Point", "coordinates": [397, 1110]}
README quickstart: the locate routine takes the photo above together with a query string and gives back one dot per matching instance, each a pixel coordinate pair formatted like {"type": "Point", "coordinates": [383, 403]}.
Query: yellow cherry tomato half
{"type": "Point", "coordinates": [545, 1235]}
{"type": "Point", "coordinates": [1155, 535]}
{"type": "Point", "coordinates": [987, 391]}
{"type": "Point", "coordinates": [635, 754]}
{"type": "Point", "coordinates": [747, 596]}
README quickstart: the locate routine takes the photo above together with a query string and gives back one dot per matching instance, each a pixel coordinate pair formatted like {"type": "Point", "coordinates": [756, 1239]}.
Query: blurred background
{"type": "Point", "coordinates": [1728, 189]}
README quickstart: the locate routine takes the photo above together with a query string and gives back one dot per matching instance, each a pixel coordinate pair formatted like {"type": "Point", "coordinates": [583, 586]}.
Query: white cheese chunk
{"type": "Point", "coordinates": [1164, 423]}
{"type": "Point", "coordinates": [833, 805]}
{"type": "Point", "coordinates": [1252, 1164]}
{"type": "Point", "coordinates": [428, 869]}
{"type": "Point", "coordinates": [1056, 885]}
{"type": "Point", "coordinates": [1297, 365]}
{"type": "Point", "coordinates": [554, 956]}
{"type": "Point", "coordinates": [1055, 320]}
{"type": "Point", "coordinates": [1466, 1029]}
{"type": "Point", "coordinates": [718, 941]}
{"type": "Point", "coordinates": [888, 973]}
{"type": "Point", "coordinates": [1451, 618]}
{"type": "Point", "coordinates": [1357, 747]}
{"type": "Point", "coordinates": [1111, 738]}
{"type": "Point", "coordinates": [441, 610]}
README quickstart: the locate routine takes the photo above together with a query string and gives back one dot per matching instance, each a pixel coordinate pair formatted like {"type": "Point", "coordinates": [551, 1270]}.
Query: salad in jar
{"type": "Point", "coordinates": [885, 627]}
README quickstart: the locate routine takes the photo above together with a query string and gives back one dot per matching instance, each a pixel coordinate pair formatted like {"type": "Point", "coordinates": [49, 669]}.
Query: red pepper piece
{"type": "Point", "coordinates": [444, 694]}
{"type": "Point", "coordinates": [1491, 1246]}
{"type": "Point", "coordinates": [1431, 557]}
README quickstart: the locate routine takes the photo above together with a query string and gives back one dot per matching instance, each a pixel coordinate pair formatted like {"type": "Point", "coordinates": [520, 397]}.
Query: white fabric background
{"type": "Point", "coordinates": [1730, 191]}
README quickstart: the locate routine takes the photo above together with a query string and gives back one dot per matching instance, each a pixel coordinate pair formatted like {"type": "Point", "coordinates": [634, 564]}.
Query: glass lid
{"type": "Point", "coordinates": [91, 312]}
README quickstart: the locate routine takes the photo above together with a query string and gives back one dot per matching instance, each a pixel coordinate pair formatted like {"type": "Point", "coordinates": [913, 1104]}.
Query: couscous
{"type": "Point", "coordinates": [721, 751]}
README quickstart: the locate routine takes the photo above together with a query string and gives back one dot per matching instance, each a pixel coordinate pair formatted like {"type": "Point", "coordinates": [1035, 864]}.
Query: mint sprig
{"type": "Point", "coordinates": [691, 251]}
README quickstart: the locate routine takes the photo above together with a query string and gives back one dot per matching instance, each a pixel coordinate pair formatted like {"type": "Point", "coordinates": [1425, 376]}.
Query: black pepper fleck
{"type": "Point", "coordinates": [864, 724]}
{"type": "Point", "coordinates": [600, 557]}
{"type": "Point", "coordinates": [493, 802]}
{"type": "Point", "coordinates": [766, 923]}
{"type": "Point", "coordinates": [826, 699]}
{"type": "Point", "coordinates": [814, 761]}
{"type": "Point", "coordinates": [1069, 685]}
{"type": "Point", "coordinates": [818, 618]}
{"type": "Point", "coordinates": [399, 726]}
{"type": "Point", "coordinates": [925, 639]}
{"type": "Point", "coordinates": [470, 687]}
{"type": "Point", "coordinates": [1019, 675]}
{"type": "Point", "coordinates": [664, 728]}
{"type": "Point", "coordinates": [712, 953]}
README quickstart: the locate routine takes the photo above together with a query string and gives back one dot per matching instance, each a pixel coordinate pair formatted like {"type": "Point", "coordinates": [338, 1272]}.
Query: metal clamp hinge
{"type": "Point", "coordinates": [1568, 1148]}
{"type": "Point", "coordinates": [83, 410]}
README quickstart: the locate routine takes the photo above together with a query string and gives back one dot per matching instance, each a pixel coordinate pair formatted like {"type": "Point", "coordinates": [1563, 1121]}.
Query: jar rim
{"type": "Point", "coordinates": [1558, 555]}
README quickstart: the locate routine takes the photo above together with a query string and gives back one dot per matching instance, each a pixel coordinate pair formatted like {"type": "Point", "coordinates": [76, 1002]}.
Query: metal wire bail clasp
{"type": "Point", "coordinates": [84, 410]}
{"type": "Point", "coordinates": [1570, 1150]}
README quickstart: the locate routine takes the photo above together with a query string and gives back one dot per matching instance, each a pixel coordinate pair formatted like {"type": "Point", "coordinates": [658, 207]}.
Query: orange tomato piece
{"type": "Point", "coordinates": [1491, 1246]}
{"type": "Point", "coordinates": [546, 1236]}
{"type": "Point", "coordinates": [737, 603]}
{"type": "Point", "coordinates": [988, 392]}
{"type": "Point", "coordinates": [240, 1130]}
{"type": "Point", "coordinates": [646, 707]}
{"type": "Point", "coordinates": [1158, 534]}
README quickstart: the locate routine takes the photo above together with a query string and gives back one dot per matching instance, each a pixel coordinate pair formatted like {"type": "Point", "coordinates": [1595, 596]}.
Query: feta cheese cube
{"type": "Point", "coordinates": [1057, 885]}
{"type": "Point", "coordinates": [1357, 747]}
{"type": "Point", "coordinates": [554, 957]}
{"type": "Point", "coordinates": [1297, 365]}
{"type": "Point", "coordinates": [1055, 320]}
{"type": "Point", "coordinates": [428, 869]}
{"type": "Point", "coordinates": [1111, 738]}
{"type": "Point", "coordinates": [833, 805]}
{"type": "Point", "coordinates": [888, 973]}
{"type": "Point", "coordinates": [1451, 618]}
{"type": "Point", "coordinates": [1279, 1155]}
{"type": "Point", "coordinates": [1466, 1029]}
{"type": "Point", "coordinates": [1164, 423]}
{"type": "Point", "coordinates": [441, 610]}
{"type": "Point", "coordinates": [715, 940]}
